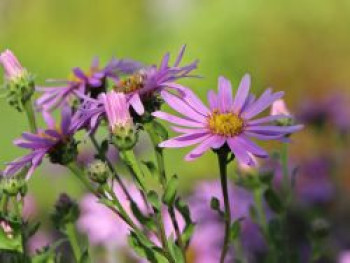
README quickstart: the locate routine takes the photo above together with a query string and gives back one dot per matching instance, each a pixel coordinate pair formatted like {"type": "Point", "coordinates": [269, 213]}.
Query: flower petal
{"type": "Point", "coordinates": [213, 141]}
{"type": "Point", "coordinates": [225, 99]}
{"type": "Point", "coordinates": [242, 94]}
{"type": "Point", "coordinates": [177, 120]}
{"type": "Point", "coordinates": [185, 140]}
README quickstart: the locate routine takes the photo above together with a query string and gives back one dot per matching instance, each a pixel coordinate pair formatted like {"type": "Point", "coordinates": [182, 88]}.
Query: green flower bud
{"type": "Point", "coordinates": [13, 186]}
{"type": "Point", "coordinates": [98, 172]}
{"type": "Point", "coordinates": [124, 138]}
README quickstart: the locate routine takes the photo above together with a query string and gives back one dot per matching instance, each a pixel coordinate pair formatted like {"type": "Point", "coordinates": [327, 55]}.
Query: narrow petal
{"type": "Point", "coordinates": [177, 120]}
{"type": "Point", "coordinates": [213, 100]}
{"type": "Point", "coordinates": [180, 55]}
{"type": "Point", "coordinates": [49, 120]}
{"type": "Point", "coordinates": [136, 103]}
{"type": "Point", "coordinates": [203, 147]}
{"type": "Point", "coordinates": [187, 130]}
{"type": "Point", "coordinates": [225, 99]}
{"type": "Point", "coordinates": [262, 103]}
{"type": "Point", "coordinates": [182, 107]}
{"type": "Point", "coordinates": [250, 146]}
{"type": "Point", "coordinates": [265, 119]}
{"type": "Point", "coordinates": [240, 153]}
{"type": "Point", "coordinates": [66, 115]}
{"type": "Point", "coordinates": [275, 129]}
{"type": "Point", "coordinates": [185, 140]}
{"type": "Point", "coordinates": [242, 94]}
{"type": "Point", "coordinates": [191, 98]}
{"type": "Point", "coordinates": [264, 137]}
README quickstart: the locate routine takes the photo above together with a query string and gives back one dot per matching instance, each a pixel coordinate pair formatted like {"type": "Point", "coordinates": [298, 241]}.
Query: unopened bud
{"type": "Point", "coordinates": [13, 186]}
{"type": "Point", "coordinates": [279, 107]}
{"type": "Point", "coordinates": [18, 81]}
{"type": "Point", "coordinates": [64, 152]}
{"type": "Point", "coordinates": [66, 211]}
{"type": "Point", "coordinates": [98, 171]}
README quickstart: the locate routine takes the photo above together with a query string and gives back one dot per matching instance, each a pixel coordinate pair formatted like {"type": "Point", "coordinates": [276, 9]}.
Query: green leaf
{"type": "Point", "coordinates": [170, 190]}
{"type": "Point", "coordinates": [48, 255]}
{"type": "Point", "coordinates": [151, 167]}
{"type": "Point", "coordinates": [273, 201]}
{"type": "Point", "coordinates": [104, 147]}
{"type": "Point", "coordinates": [85, 257]}
{"type": "Point", "coordinates": [153, 198]}
{"type": "Point", "coordinates": [175, 251]}
{"type": "Point", "coordinates": [235, 230]}
{"type": "Point", "coordinates": [160, 130]}
{"type": "Point", "coordinates": [188, 232]}
{"type": "Point", "coordinates": [11, 241]}
{"type": "Point", "coordinates": [144, 220]}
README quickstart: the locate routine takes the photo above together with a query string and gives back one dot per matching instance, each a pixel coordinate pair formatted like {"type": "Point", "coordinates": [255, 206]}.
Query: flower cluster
{"type": "Point", "coordinates": [125, 98]}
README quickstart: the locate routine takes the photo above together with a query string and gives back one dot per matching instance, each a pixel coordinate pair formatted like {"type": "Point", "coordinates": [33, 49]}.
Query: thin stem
{"type": "Point", "coordinates": [132, 164]}
{"type": "Point", "coordinates": [258, 198]}
{"type": "Point", "coordinates": [28, 108]}
{"type": "Point", "coordinates": [149, 127]}
{"type": "Point", "coordinates": [158, 152]}
{"type": "Point", "coordinates": [73, 240]}
{"type": "Point", "coordinates": [110, 166]}
{"type": "Point", "coordinates": [81, 176]}
{"type": "Point", "coordinates": [285, 170]}
{"type": "Point", "coordinates": [163, 237]}
{"type": "Point", "coordinates": [222, 159]}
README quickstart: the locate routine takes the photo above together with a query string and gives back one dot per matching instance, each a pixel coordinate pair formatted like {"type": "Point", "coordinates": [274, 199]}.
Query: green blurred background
{"type": "Point", "coordinates": [301, 47]}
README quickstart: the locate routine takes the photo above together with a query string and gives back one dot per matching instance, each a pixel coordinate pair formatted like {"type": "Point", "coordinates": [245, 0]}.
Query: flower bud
{"type": "Point", "coordinates": [13, 186]}
{"type": "Point", "coordinates": [66, 211]}
{"type": "Point", "coordinates": [279, 108]}
{"type": "Point", "coordinates": [98, 172]}
{"type": "Point", "coordinates": [123, 134]}
{"type": "Point", "coordinates": [6, 228]}
{"type": "Point", "coordinates": [18, 81]}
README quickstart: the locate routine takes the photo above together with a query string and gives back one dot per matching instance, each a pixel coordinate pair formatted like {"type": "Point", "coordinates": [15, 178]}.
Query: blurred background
{"type": "Point", "coordinates": [300, 47]}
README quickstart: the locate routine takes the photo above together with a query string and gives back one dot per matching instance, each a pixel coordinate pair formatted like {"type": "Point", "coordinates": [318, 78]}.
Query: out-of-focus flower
{"type": "Point", "coordinates": [94, 215]}
{"type": "Point", "coordinates": [210, 227]}
{"type": "Point", "coordinates": [38, 241]}
{"type": "Point", "coordinates": [56, 141]}
{"type": "Point", "coordinates": [344, 256]}
{"type": "Point", "coordinates": [228, 120]}
{"type": "Point", "coordinates": [279, 107]}
{"type": "Point", "coordinates": [145, 82]}
{"type": "Point", "coordinates": [333, 110]}
{"type": "Point", "coordinates": [91, 83]}
{"type": "Point", "coordinates": [313, 181]}
{"type": "Point", "coordinates": [30, 207]}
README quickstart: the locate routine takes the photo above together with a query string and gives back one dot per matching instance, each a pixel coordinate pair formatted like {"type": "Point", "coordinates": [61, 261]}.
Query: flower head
{"type": "Point", "coordinates": [55, 141]}
{"type": "Point", "coordinates": [13, 69]}
{"type": "Point", "coordinates": [92, 82]}
{"type": "Point", "coordinates": [147, 81]}
{"type": "Point", "coordinates": [228, 120]}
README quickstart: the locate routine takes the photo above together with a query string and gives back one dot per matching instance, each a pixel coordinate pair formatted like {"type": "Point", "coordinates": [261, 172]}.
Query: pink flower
{"type": "Point", "coordinates": [279, 107]}
{"type": "Point", "coordinates": [13, 69]}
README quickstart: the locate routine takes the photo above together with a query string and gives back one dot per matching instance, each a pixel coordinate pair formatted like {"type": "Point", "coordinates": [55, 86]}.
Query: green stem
{"type": "Point", "coordinates": [131, 162]}
{"type": "Point", "coordinates": [258, 198]}
{"type": "Point", "coordinates": [285, 171]}
{"type": "Point", "coordinates": [73, 240]}
{"type": "Point", "coordinates": [79, 173]}
{"type": "Point", "coordinates": [28, 108]}
{"type": "Point", "coordinates": [163, 180]}
{"type": "Point", "coordinates": [222, 159]}
{"type": "Point", "coordinates": [4, 202]}
{"type": "Point", "coordinates": [158, 152]}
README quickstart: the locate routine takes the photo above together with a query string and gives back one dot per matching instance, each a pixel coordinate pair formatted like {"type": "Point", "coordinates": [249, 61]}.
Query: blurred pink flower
{"type": "Point", "coordinates": [344, 257]}
{"type": "Point", "coordinates": [13, 69]}
{"type": "Point", "coordinates": [279, 107]}
{"type": "Point", "coordinates": [40, 240]}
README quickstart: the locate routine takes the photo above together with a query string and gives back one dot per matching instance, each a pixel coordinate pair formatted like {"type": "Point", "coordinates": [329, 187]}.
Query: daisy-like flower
{"type": "Point", "coordinates": [146, 81]}
{"type": "Point", "coordinates": [55, 141]}
{"type": "Point", "coordinates": [92, 82]}
{"type": "Point", "coordinates": [228, 120]}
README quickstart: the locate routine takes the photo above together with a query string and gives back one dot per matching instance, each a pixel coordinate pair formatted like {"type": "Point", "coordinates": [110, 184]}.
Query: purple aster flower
{"type": "Point", "coordinates": [227, 120]}
{"type": "Point", "coordinates": [144, 82]}
{"type": "Point", "coordinates": [92, 82]}
{"type": "Point", "coordinates": [48, 141]}
{"type": "Point", "coordinates": [13, 68]}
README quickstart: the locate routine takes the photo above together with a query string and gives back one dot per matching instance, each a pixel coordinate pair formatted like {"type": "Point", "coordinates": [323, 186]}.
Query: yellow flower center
{"type": "Point", "coordinates": [225, 124]}
{"type": "Point", "coordinates": [131, 83]}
